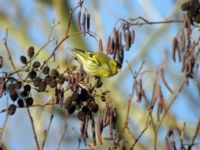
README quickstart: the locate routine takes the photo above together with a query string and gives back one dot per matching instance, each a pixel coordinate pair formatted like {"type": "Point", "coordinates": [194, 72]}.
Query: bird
{"type": "Point", "coordinates": [96, 63]}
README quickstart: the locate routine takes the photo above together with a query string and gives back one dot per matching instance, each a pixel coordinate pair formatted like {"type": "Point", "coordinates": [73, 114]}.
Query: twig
{"type": "Point", "coordinates": [194, 136]}
{"type": "Point", "coordinates": [166, 111]}
{"type": "Point", "coordinates": [50, 122]}
{"type": "Point", "coordinates": [33, 127]}
{"type": "Point", "coordinates": [63, 135]}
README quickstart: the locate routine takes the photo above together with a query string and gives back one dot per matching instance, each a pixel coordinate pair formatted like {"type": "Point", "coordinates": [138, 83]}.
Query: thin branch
{"type": "Point", "coordinates": [33, 127]}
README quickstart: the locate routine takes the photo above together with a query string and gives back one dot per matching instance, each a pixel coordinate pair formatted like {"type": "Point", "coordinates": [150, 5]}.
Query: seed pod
{"type": "Point", "coordinates": [100, 45]}
{"type": "Point", "coordinates": [1, 61]}
{"type": "Point", "coordinates": [18, 84]}
{"type": "Point", "coordinates": [119, 38]}
{"type": "Point", "coordinates": [13, 96]}
{"type": "Point", "coordinates": [29, 101]}
{"type": "Point", "coordinates": [27, 87]}
{"type": "Point", "coordinates": [112, 46]}
{"type": "Point", "coordinates": [81, 116]}
{"type": "Point", "coordinates": [20, 103]}
{"type": "Point", "coordinates": [84, 30]}
{"type": "Point", "coordinates": [31, 52]}
{"type": "Point", "coordinates": [132, 36]}
{"type": "Point", "coordinates": [2, 86]}
{"type": "Point", "coordinates": [111, 124]}
{"type": "Point", "coordinates": [37, 81]}
{"type": "Point", "coordinates": [23, 60]}
{"type": "Point", "coordinates": [100, 128]}
{"type": "Point", "coordinates": [42, 86]}
{"type": "Point", "coordinates": [88, 22]}
{"type": "Point", "coordinates": [24, 94]}
{"type": "Point", "coordinates": [164, 80]}
{"type": "Point", "coordinates": [183, 63]}
{"type": "Point", "coordinates": [11, 109]}
{"type": "Point", "coordinates": [79, 20]}
{"type": "Point", "coordinates": [174, 48]}
{"type": "Point", "coordinates": [54, 73]}
{"type": "Point", "coordinates": [115, 35]}
{"type": "Point", "coordinates": [32, 74]}
{"type": "Point", "coordinates": [182, 40]}
{"type": "Point", "coordinates": [108, 44]}
{"type": "Point", "coordinates": [36, 64]}
{"type": "Point", "coordinates": [46, 70]}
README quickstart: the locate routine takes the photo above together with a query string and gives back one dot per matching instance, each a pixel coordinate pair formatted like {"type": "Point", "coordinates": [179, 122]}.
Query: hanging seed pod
{"type": "Point", "coordinates": [18, 84]}
{"type": "Point", "coordinates": [32, 74]}
{"type": "Point", "coordinates": [83, 30]}
{"type": "Point", "coordinates": [183, 63]}
{"type": "Point", "coordinates": [29, 101]}
{"type": "Point", "coordinates": [2, 86]}
{"type": "Point", "coordinates": [111, 125]}
{"type": "Point", "coordinates": [79, 20]}
{"type": "Point", "coordinates": [31, 52]}
{"type": "Point", "coordinates": [88, 22]}
{"type": "Point", "coordinates": [23, 60]}
{"type": "Point", "coordinates": [83, 23]}
{"type": "Point", "coordinates": [112, 46]}
{"type": "Point", "coordinates": [119, 38]}
{"type": "Point", "coordinates": [11, 109]}
{"type": "Point", "coordinates": [126, 38]}
{"type": "Point", "coordinates": [100, 45]}
{"type": "Point", "coordinates": [115, 35]}
{"type": "Point", "coordinates": [183, 40]}
{"type": "Point", "coordinates": [108, 44]}
{"type": "Point", "coordinates": [20, 103]}
{"type": "Point", "coordinates": [1, 61]}
{"type": "Point", "coordinates": [132, 36]}
{"type": "Point", "coordinates": [42, 86]}
{"type": "Point", "coordinates": [164, 80]}
{"type": "Point", "coordinates": [36, 64]}
{"type": "Point", "coordinates": [100, 128]}
{"type": "Point", "coordinates": [174, 48]}
{"type": "Point", "coordinates": [46, 70]}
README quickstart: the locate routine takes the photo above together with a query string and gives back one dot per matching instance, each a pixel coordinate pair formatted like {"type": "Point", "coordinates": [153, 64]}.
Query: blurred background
{"type": "Point", "coordinates": [29, 23]}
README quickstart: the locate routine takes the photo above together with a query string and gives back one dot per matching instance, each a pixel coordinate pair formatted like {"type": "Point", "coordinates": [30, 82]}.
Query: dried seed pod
{"type": "Point", "coordinates": [83, 30]}
{"type": "Point", "coordinates": [100, 45]}
{"type": "Point", "coordinates": [31, 52]}
{"type": "Point", "coordinates": [13, 96]}
{"type": "Point", "coordinates": [27, 88]}
{"type": "Point", "coordinates": [32, 74]}
{"type": "Point", "coordinates": [11, 109]}
{"type": "Point", "coordinates": [183, 63]}
{"type": "Point", "coordinates": [106, 116]}
{"type": "Point", "coordinates": [100, 128]}
{"type": "Point", "coordinates": [126, 40]}
{"type": "Point", "coordinates": [53, 83]}
{"type": "Point", "coordinates": [112, 46]}
{"type": "Point", "coordinates": [88, 22]}
{"type": "Point", "coordinates": [174, 48]}
{"type": "Point", "coordinates": [81, 116]}
{"type": "Point", "coordinates": [119, 38]}
{"type": "Point", "coordinates": [1, 61]}
{"type": "Point", "coordinates": [20, 103]}
{"type": "Point", "coordinates": [108, 44]}
{"type": "Point", "coordinates": [23, 60]}
{"type": "Point", "coordinates": [164, 80]}
{"type": "Point", "coordinates": [111, 125]}
{"type": "Point", "coordinates": [24, 94]}
{"type": "Point", "coordinates": [37, 81]}
{"type": "Point", "coordinates": [183, 40]}
{"type": "Point", "coordinates": [79, 20]}
{"type": "Point", "coordinates": [54, 73]}
{"type": "Point", "coordinates": [132, 36]}
{"type": "Point", "coordinates": [2, 86]}
{"type": "Point", "coordinates": [42, 86]}
{"type": "Point", "coordinates": [46, 70]}
{"type": "Point", "coordinates": [18, 84]}
{"type": "Point", "coordinates": [115, 35]}
{"type": "Point", "coordinates": [36, 64]}
{"type": "Point", "coordinates": [29, 101]}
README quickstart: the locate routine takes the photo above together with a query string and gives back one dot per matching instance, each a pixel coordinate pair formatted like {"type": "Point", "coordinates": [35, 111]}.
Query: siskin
{"type": "Point", "coordinates": [96, 63]}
